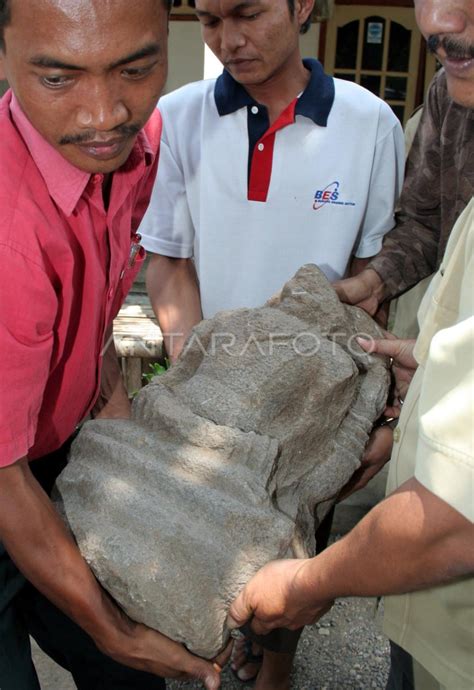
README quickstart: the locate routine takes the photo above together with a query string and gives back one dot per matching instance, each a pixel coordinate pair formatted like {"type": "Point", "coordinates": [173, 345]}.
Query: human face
{"type": "Point", "coordinates": [87, 73]}
{"type": "Point", "coordinates": [448, 26]}
{"type": "Point", "coordinates": [256, 40]}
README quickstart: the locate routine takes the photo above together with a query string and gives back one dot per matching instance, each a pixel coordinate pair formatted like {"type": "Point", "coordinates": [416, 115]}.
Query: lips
{"type": "Point", "coordinates": [239, 61]}
{"type": "Point", "coordinates": [241, 67]}
{"type": "Point", "coordinates": [457, 66]}
{"type": "Point", "coordinates": [103, 150]}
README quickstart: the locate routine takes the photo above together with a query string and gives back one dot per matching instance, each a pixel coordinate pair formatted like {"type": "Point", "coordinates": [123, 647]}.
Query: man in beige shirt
{"type": "Point", "coordinates": [420, 539]}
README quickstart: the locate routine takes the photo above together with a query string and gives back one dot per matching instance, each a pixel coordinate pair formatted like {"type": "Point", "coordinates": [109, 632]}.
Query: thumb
{"type": "Point", "coordinates": [207, 673]}
{"type": "Point", "coordinates": [240, 612]}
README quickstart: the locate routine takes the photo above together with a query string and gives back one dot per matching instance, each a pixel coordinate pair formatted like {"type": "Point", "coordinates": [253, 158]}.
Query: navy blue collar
{"type": "Point", "coordinates": [315, 102]}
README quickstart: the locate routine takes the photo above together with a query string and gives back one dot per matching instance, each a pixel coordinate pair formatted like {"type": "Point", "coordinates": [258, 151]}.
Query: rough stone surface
{"type": "Point", "coordinates": [228, 459]}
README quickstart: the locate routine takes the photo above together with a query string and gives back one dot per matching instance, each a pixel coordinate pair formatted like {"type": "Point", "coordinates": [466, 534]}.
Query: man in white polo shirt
{"type": "Point", "coordinates": [269, 167]}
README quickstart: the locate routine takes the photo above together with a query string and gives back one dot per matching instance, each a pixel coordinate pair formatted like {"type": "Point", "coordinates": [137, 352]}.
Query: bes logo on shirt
{"type": "Point", "coordinates": [325, 196]}
{"type": "Point", "coordinates": [329, 195]}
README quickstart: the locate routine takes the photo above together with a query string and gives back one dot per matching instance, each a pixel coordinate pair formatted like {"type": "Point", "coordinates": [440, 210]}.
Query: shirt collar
{"type": "Point", "coordinates": [66, 183]}
{"type": "Point", "coordinates": [315, 102]}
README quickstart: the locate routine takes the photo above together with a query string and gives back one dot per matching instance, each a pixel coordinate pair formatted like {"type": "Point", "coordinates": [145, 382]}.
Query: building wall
{"type": "Point", "coordinates": [186, 54]}
{"type": "Point", "coordinates": [310, 42]}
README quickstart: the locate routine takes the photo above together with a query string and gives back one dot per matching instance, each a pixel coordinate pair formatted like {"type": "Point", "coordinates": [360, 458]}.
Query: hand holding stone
{"type": "Point", "coordinates": [404, 363]}
{"type": "Point", "coordinates": [150, 651]}
{"type": "Point", "coordinates": [277, 597]}
{"type": "Point", "coordinates": [364, 290]}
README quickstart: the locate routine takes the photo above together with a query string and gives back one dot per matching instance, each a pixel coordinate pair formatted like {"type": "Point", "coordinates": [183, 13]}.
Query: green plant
{"type": "Point", "coordinates": [156, 369]}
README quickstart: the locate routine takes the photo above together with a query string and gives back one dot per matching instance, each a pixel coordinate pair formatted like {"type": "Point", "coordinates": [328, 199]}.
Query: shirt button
{"type": "Point", "coordinates": [254, 110]}
{"type": "Point", "coordinates": [110, 294]}
{"type": "Point", "coordinates": [97, 179]}
{"type": "Point", "coordinates": [396, 435]}
{"type": "Point", "coordinates": [261, 147]}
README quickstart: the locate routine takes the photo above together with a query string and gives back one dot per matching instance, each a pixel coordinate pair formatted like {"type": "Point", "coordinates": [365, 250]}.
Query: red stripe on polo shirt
{"type": "Point", "coordinates": [262, 156]}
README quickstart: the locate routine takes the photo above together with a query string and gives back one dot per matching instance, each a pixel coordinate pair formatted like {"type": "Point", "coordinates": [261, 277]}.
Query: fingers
{"type": "Point", "coordinates": [392, 411]}
{"type": "Point", "coordinates": [208, 674]}
{"type": "Point", "coordinates": [222, 659]}
{"type": "Point", "coordinates": [369, 305]}
{"type": "Point", "coordinates": [389, 348]}
{"type": "Point", "coordinates": [376, 455]}
{"type": "Point", "coordinates": [401, 351]}
{"type": "Point", "coordinates": [263, 627]}
{"type": "Point", "coordinates": [379, 448]}
{"type": "Point", "coordinates": [291, 622]}
{"type": "Point", "coordinates": [240, 611]}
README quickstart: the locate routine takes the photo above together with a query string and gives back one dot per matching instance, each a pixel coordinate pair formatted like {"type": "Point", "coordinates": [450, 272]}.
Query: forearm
{"type": "Point", "coordinates": [410, 541]}
{"type": "Point", "coordinates": [409, 254]}
{"type": "Point", "coordinates": [113, 402]}
{"type": "Point", "coordinates": [357, 265]}
{"type": "Point", "coordinates": [174, 294]}
{"type": "Point", "coordinates": [410, 251]}
{"type": "Point", "coordinates": [43, 550]}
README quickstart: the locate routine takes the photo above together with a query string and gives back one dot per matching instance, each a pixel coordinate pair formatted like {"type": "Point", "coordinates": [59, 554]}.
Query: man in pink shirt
{"type": "Point", "coordinates": [79, 138]}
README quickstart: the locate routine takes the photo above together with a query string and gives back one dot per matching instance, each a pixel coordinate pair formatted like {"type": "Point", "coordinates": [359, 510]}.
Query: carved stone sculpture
{"type": "Point", "coordinates": [228, 460]}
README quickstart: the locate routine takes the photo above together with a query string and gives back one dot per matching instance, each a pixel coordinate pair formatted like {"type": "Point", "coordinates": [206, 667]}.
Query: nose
{"type": "Point", "coordinates": [101, 108]}
{"type": "Point", "coordinates": [442, 16]}
{"type": "Point", "coordinates": [232, 37]}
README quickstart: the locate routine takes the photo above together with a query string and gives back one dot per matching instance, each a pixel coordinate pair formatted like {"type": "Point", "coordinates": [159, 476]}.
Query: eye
{"type": "Point", "coordinates": [208, 22]}
{"type": "Point", "coordinates": [137, 72]}
{"type": "Point", "coordinates": [251, 17]}
{"type": "Point", "coordinates": [56, 82]}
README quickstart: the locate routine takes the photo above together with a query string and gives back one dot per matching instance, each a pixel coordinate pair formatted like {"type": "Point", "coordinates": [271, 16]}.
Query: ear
{"type": "Point", "coordinates": [303, 10]}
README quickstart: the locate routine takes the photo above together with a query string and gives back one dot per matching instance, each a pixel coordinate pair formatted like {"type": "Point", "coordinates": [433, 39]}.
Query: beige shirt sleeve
{"type": "Point", "coordinates": [445, 447]}
{"type": "Point", "coordinates": [444, 456]}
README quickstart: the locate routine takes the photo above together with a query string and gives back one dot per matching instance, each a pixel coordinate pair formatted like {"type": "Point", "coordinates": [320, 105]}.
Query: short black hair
{"type": "Point", "coordinates": [5, 16]}
{"type": "Point", "coordinates": [304, 27]}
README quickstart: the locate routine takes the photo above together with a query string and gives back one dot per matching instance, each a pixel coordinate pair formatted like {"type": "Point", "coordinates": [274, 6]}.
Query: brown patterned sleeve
{"type": "Point", "coordinates": [410, 250]}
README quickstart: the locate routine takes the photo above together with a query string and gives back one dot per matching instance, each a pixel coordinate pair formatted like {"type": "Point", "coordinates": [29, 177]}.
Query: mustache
{"type": "Point", "coordinates": [86, 137]}
{"type": "Point", "coordinates": [454, 49]}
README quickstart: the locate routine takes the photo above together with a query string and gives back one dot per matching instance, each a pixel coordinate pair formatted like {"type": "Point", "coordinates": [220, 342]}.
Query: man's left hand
{"type": "Point", "coordinates": [276, 597]}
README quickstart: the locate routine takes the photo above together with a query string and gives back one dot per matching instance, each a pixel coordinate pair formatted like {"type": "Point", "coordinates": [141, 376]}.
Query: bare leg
{"type": "Point", "coordinates": [275, 672]}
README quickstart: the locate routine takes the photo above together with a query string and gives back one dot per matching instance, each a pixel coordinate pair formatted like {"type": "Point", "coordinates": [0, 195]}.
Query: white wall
{"type": "Point", "coordinates": [186, 54]}
{"type": "Point", "coordinates": [310, 42]}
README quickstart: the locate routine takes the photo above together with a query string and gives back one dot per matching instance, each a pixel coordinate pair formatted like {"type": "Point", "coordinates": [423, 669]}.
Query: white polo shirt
{"type": "Point", "coordinates": [252, 204]}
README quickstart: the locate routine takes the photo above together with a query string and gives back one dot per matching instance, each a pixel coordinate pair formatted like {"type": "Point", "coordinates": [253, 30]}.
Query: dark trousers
{"type": "Point", "coordinates": [24, 611]}
{"type": "Point", "coordinates": [401, 669]}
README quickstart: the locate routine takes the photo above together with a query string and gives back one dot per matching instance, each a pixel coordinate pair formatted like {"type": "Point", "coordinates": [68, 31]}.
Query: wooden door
{"type": "Point", "coordinates": [380, 48]}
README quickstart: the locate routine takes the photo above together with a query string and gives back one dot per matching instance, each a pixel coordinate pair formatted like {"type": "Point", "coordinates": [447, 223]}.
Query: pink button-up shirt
{"type": "Point", "coordinates": [64, 272]}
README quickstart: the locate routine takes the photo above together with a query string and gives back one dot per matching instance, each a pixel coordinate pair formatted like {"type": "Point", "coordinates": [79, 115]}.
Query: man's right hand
{"type": "Point", "coordinates": [404, 363]}
{"type": "Point", "coordinates": [365, 290]}
{"type": "Point", "coordinates": [150, 651]}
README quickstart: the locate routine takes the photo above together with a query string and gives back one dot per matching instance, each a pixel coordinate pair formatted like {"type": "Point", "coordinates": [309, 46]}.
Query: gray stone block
{"type": "Point", "coordinates": [229, 459]}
